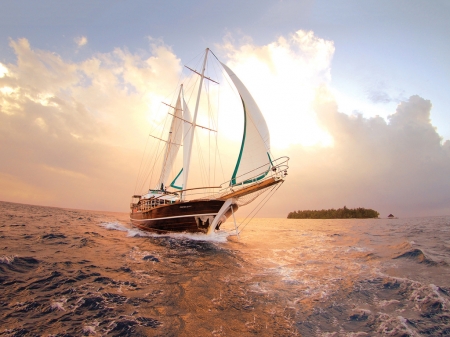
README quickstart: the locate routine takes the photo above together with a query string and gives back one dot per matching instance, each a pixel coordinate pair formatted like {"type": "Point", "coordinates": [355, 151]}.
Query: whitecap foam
{"type": "Point", "coordinates": [58, 306]}
{"type": "Point", "coordinates": [89, 329]}
{"type": "Point", "coordinates": [7, 259]}
{"type": "Point", "coordinates": [219, 237]}
{"type": "Point", "coordinates": [356, 249]}
{"type": "Point", "coordinates": [114, 226]}
{"type": "Point", "coordinates": [214, 237]}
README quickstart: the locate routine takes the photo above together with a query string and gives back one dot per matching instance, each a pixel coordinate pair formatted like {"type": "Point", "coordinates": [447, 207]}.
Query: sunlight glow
{"type": "Point", "coordinates": [3, 70]}
{"type": "Point", "coordinates": [283, 78]}
{"type": "Point", "coordinates": [7, 90]}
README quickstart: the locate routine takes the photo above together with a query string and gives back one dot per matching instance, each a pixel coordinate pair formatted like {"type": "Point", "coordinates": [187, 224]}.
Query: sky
{"type": "Point", "coordinates": [353, 92]}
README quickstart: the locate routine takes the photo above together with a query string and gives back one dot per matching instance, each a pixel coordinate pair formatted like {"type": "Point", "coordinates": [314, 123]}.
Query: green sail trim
{"type": "Point", "coordinates": [248, 181]}
{"type": "Point", "coordinates": [270, 159]}
{"type": "Point", "coordinates": [173, 182]}
{"type": "Point", "coordinates": [233, 177]}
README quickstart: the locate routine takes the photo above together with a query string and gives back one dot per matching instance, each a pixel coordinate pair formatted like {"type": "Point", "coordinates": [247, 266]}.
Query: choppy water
{"type": "Point", "coordinates": [73, 273]}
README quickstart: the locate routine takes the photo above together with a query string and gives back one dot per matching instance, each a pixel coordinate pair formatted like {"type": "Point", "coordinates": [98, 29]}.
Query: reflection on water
{"type": "Point", "coordinates": [72, 273]}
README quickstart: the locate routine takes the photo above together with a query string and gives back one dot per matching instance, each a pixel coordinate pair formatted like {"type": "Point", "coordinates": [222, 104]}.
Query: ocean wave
{"type": "Point", "coordinates": [17, 264]}
{"type": "Point", "coordinates": [114, 226]}
{"type": "Point", "coordinates": [418, 256]}
{"type": "Point", "coordinates": [7, 259]}
{"type": "Point", "coordinates": [219, 237]}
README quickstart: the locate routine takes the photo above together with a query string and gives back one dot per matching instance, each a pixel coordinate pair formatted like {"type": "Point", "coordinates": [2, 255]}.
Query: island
{"type": "Point", "coordinates": [340, 213]}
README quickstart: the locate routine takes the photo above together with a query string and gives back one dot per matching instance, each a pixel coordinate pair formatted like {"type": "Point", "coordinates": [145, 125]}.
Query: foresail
{"type": "Point", "coordinates": [172, 144]}
{"type": "Point", "coordinates": [254, 160]}
{"type": "Point", "coordinates": [187, 139]}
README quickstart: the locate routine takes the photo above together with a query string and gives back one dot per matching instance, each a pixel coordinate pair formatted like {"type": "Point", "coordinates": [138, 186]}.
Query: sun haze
{"type": "Point", "coordinates": [361, 112]}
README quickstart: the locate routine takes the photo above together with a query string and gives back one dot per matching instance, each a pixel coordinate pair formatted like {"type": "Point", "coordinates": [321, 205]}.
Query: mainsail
{"type": "Point", "coordinates": [254, 161]}
{"type": "Point", "coordinates": [179, 182]}
{"type": "Point", "coordinates": [172, 144]}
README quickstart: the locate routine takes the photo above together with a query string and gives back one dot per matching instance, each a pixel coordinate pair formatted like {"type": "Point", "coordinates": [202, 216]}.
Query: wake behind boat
{"type": "Point", "coordinates": [174, 206]}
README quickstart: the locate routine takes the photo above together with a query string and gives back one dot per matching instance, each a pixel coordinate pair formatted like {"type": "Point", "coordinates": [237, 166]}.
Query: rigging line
{"type": "Point", "coordinates": [201, 160]}
{"type": "Point", "coordinates": [236, 91]}
{"type": "Point", "coordinates": [195, 71]}
{"type": "Point", "coordinates": [153, 169]}
{"type": "Point", "coordinates": [209, 155]}
{"type": "Point", "coordinates": [140, 166]}
{"type": "Point", "coordinates": [192, 89]}
{"type": "Point", "coordinates": [162, 150]}
{"type": "Point", "coordinates": [203, 127]}
{"type": "Point", "coordinates": [204, 164]}
{"type": "Point", "coordinates": [214, 55]}
{"type": "Point", "coordinates": [199, 56]}
{"type": "Point", "coordinates": [141, 175]}
{"type": "Point", "coordinates": [140, 171]}
{"type": "Point", "coordinates": [265, 199]}
{"type": "Point", "coordinates": [251, 120]}
{"type": "Point", "coordinates": [170, 106]}
{"type": "Point", "coordinates": [209, 134]}
{"type": "Point", "coordinates": [272, 192]}
{"type": "Point", "coordinates": [151, 160]}
{"type": "Point", "coordinates": [165, 141]}
{"type": "Point", "coordinates": [253, 210]}
{"type": "Point", "coordinates": [147, 164]}
{"type": "Point", "coordinates": [217, 152]}
{"type": "Point", "coordinates": [214, 120]}
{"type": "Point", "coordinates": [156, 158]}
{"type": "Point", "coordinates": [188, 76]}
{"type": "Point", "coordinates": [220, 159]}
{"type": "Point", "coordinates": [146, 170]}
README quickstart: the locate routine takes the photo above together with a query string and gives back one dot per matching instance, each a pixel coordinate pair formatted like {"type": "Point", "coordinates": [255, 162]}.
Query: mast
{"type": "Point", "coordinates": [194, 119]}
{"type": "Point", "coordinates": [172, 143]}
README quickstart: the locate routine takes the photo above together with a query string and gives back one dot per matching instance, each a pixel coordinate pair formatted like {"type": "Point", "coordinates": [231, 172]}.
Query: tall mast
{"type": "Point", "coordinates": [168, 156]}
{"type": "Point", "coordinates": [194, 119]}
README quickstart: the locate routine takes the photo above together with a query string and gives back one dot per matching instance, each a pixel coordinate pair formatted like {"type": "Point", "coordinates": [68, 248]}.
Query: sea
{"type": "Point", "coordinates": [66, 272]}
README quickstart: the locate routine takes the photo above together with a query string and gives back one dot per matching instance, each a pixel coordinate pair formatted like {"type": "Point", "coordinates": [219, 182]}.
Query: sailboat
{"type": "Point", "coordinates": [170, 206]}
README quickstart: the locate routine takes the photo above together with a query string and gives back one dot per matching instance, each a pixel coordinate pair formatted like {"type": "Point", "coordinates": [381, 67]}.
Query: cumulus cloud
{"type": "Point", "coordinates": [71, 133]}
{"type": "Point", "coordinates": [81, 41]}
{"type": "Point", "coordinates": [397, 166]}
{"type": "Point", "coordinates": [3, 70]}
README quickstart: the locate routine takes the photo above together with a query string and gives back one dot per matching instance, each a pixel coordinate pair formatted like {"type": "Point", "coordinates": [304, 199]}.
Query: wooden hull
{"type": "Point", "coordinates": [193, 217]}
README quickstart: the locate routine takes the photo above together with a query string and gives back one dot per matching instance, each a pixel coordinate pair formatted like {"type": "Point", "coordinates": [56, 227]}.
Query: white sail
{"type": "Point", "coordinates": [188, 129]}
{"type": "Point", "coordinates": [172, 144]}
{"type": "Point", "coordinates": [179, 181]}
{"type": "Point", "coordinates": [254, 160]}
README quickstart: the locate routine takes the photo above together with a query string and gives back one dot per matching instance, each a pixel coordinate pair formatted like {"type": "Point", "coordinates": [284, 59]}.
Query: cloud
{"type": "Point", "coordinates": [81, 41]}
{"type": "Point", "coordinates": [283, 77]}
{"type": "Point", "coordinates": [3, 70]}
{"type": "Point", "coordinates": [71, 133]}
{"type": "Point", "coordinates": [380, 97]}
{"type": "Point", "coordinates": [400, 166]}
{"type": "Point", "coordinates": [379, 94]}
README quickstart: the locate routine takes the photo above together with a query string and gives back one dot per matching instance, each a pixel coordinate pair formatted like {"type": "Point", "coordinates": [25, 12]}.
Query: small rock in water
{"type": "Point", "coordinates": [150, 258]}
